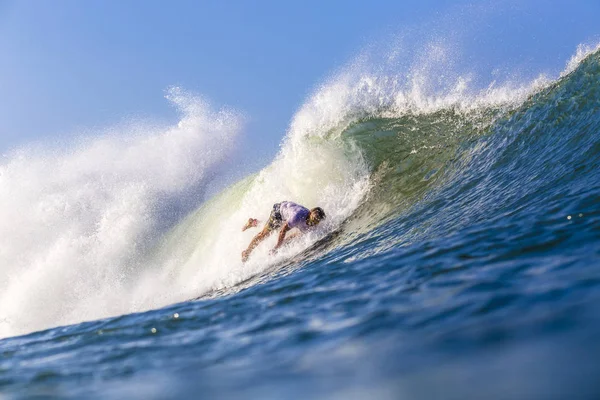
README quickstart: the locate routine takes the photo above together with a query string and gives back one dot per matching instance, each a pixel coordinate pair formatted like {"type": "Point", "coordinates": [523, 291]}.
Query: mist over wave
{"type": "Point", "coordinates": [76, 220]}
{"type": "Point", "coordinates": [83, 225]}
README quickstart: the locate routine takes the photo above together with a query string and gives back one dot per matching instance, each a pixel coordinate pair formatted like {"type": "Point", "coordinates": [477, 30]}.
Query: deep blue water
{"type": "Point", "coordinates": [479, 279]}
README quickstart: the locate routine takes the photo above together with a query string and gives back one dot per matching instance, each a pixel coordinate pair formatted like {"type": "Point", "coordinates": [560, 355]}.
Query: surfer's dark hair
{"type": "Point", "coordinates": [319, 213]}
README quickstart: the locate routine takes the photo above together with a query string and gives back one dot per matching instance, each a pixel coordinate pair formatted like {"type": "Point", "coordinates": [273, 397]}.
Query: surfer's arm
{"type": "Point", "coordinates": [292, 236]}
{"type": "Point", "coordinates": [284, 229]}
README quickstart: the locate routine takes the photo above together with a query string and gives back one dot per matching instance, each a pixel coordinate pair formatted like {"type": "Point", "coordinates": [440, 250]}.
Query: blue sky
{"type": "Point", "coordinates": [70, 65]}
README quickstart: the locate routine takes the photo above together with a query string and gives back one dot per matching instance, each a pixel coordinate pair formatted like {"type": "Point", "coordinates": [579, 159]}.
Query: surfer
{"type": "Point", "coordinates": [287, 215]}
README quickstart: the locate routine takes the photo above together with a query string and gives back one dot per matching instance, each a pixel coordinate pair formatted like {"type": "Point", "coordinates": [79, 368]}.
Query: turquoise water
{"type": "Point", "coordinates": [469, 267]}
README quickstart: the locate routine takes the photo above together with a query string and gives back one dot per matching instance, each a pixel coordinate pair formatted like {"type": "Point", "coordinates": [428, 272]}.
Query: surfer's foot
{"type": "Point", "coordinates": [250, 224]}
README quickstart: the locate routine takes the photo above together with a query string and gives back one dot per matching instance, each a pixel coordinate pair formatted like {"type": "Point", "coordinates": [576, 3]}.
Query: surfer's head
{"type": "Point", "coordinates": [316, 215]}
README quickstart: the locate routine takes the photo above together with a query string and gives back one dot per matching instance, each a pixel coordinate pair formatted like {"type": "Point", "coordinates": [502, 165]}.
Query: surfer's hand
{"type": "Point", "coordinates": [245, 255]}
{"type": "Point", "coordinates": [273, 251]}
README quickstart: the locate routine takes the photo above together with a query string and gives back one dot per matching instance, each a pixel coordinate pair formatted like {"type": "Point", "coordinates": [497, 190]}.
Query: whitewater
{"type": "Point", "coordinates": [461, 218]}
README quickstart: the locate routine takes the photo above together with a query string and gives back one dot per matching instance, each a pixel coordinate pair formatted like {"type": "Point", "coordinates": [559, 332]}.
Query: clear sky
{"type": "Point", "coordinates": [67, 65]}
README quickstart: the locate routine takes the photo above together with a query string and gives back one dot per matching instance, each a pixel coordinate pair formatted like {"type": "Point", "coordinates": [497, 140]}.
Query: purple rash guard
{"type": "Point", "coordinates": [295, 215]}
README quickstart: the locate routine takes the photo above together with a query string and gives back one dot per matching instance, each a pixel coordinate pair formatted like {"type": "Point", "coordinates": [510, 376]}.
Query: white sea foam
{"type": "Point", "coordinates": [74, 220]}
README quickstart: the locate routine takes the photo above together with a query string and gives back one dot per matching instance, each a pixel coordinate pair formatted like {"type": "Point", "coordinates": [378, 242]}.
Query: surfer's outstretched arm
{"type": "Point", "coordinates": [291, 236]}
{"type": "Point", "coordinates": [284, 229]}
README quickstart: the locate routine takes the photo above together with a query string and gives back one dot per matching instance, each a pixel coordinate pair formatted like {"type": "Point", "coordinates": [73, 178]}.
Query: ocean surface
{"type": "Point", "coordinates": [460, 257]}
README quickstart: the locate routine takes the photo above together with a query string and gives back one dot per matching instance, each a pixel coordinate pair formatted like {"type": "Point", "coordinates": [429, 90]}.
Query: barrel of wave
{"type": "Point", "coordinates": [203, 252]}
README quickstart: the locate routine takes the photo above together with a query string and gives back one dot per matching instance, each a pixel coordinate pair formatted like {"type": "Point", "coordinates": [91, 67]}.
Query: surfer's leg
{"type": "Point", "coordinates": [262, 235]}
{"type": "Point", "coordinates": [271, 226]}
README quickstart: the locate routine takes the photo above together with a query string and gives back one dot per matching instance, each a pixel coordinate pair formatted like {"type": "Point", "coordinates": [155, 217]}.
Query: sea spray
{"type": "Point", "coordinates": [74, 221]}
